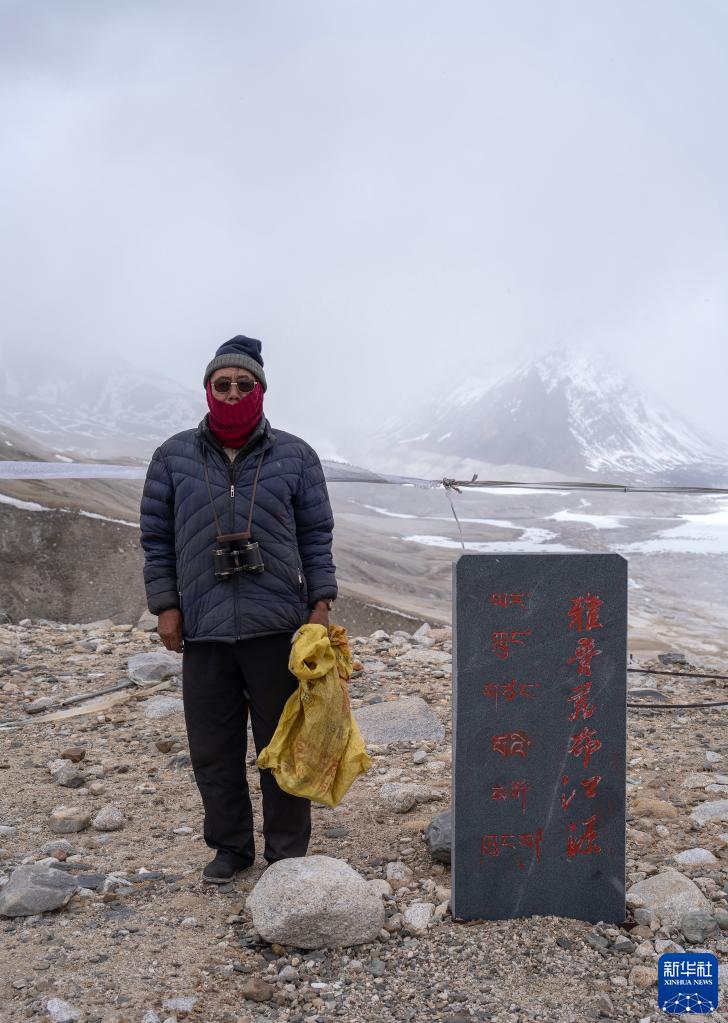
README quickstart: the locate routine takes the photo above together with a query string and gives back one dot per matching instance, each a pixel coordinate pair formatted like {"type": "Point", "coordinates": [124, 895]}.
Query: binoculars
{"type": "Point", "coordinates": [236, 552]}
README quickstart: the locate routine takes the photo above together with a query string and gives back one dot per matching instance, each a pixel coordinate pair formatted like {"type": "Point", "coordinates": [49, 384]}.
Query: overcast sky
{"type": "Point", "coordinates": [390, 194]}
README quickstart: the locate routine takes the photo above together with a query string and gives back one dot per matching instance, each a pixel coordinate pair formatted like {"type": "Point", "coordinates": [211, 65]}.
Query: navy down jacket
{"type": "Point", "coordinates": [292, 523]}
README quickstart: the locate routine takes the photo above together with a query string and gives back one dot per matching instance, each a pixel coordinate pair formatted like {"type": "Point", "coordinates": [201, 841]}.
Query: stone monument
{"type": "Point", "coordinates": [539, 736]}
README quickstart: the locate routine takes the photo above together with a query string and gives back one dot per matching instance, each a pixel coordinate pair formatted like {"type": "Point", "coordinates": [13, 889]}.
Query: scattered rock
{"type": "Point", "coordinates": [154, 667]}
{"type": "Point", "coordinates": [623, 944]}
{"type": "Point", "coordinates": [605, 1005]}
{"type": "Point", "coordinates": [9, 647]}
{"type": "Point", "coordinates": [698, 926]}
{"type": "Point", "coordinates": [337, 832]}
{"type": "Point", "coordinates": [162, 707]}
{"type": "Point", "coordinates": [33, 889]}
{"type": "Point", "coordinates": [61, 1012]}
{"type": "Point", "coordinates": [697, 858]}
{"type": "Point", "coordinates": [428, 657]}
{"type": "Point", "coordinates": [398, 873]}
{"type": "Point", "coordinates": [438, 837]}
{"type": "Point", "coordinates": [109, 818]}
{"type": "Point", "coordinates": [646, 806]}
{"type": "Point", "coordinates": [67, 819]}
{"type": "Point", "coordinates": [57, 845]}
{"type": "Point", "coordinates": [182, 1003]}
{"type": "Point", "coordinates": [670, 895]}
{"type": "Point", "coordinates": [672, 657]}
{"type": "Point", "coordinates": [69, 776]}
{"type": "Point", "coordinates": [39, 705]}
{"type": "Point", "coordinates": [406, 720]}
{"type": "Point", "coordinates": [642, 977]}
{"type": "Point", "coordinates": [73, 753]}
{"type": "Point", "coordinates": [147, 622]}
{"type": "Point", "coordinates": [402, 796]}
{"type": "Point", "coordinates": [707, 812]}
{"type": "Point", "coordinates": [257, 990]}
{"type": "Point", "coordinates": [418, 915]}
{"type": "Point", "coordinates": [315, 902]}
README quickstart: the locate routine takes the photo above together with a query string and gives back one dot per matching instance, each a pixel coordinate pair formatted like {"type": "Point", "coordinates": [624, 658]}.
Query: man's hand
{"type": "Point", "coordinates": [169, 627]}
{"type": "Point", "coordinates": [319, 614]}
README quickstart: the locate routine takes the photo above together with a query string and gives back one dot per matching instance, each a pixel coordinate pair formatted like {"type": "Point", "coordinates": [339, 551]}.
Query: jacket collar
{"type": "Point", "coordinates": [262, 434]}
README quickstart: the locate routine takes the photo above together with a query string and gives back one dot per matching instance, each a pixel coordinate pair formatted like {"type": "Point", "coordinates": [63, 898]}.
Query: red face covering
{"type": "Point", "coordinates": [232, 424]}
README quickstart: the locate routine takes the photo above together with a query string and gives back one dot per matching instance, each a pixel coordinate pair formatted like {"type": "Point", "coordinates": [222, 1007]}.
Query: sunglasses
{"type": "Point", "coordinates": [223, 384]}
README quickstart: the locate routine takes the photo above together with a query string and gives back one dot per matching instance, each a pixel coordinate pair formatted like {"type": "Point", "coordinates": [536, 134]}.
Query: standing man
{"type": "Point", "coordinates": [236, 527]}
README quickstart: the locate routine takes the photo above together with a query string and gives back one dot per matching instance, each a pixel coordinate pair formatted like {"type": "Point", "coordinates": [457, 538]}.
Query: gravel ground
{"type": "Point", "coordinates": [145, 941]}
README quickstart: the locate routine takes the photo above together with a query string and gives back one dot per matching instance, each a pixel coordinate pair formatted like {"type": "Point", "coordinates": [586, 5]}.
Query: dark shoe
{"type": "Point", "coordinates": [223, 868]}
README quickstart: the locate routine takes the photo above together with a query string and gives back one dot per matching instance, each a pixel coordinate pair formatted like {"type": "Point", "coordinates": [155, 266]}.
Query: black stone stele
{"type": "Point", "coordinates": [539, 736]}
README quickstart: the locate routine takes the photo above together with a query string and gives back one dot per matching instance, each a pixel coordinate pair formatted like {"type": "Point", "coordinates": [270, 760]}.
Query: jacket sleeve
{"type": "Point", "coordinates": [314, 529]}
{"type": "Point", "coordinates": [157, 537]}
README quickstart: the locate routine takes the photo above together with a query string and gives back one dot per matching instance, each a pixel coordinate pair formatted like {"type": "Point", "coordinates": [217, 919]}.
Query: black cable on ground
{"type": "Point", "coordinates": [676, 674]}
{"type": "Point", "coordinates": [675, 706]}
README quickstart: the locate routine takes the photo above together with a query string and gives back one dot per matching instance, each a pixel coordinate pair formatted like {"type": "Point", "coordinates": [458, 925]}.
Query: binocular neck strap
{"type": "Point", "coordinates": [252, 498]}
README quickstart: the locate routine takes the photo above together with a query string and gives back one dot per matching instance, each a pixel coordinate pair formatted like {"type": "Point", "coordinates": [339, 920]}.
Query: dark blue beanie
{"type": "Point", "coordinates": [241, 352]}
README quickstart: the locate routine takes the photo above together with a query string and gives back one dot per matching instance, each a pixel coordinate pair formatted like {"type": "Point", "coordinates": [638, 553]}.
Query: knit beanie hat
{"type": "Point", "coordinates": [241, 352]}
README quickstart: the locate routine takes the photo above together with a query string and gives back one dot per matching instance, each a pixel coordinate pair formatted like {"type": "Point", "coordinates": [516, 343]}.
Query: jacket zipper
{"type": "Point", "coordinates": [233, 477]}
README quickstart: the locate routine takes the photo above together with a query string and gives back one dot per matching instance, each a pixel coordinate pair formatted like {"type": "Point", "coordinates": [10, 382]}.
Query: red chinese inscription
{"type": "Point", "coordinates": [586, 651]}
{"type": "Point", "coordinates": [584, 743]}
{"type": "Point", "coordinates": [580, 699]}
{"type": "Point", "coordinates": [584, 844]}
{"type": "Point", "coordinates": [583, 613]}
{"type": "Point", "coordinates": [588, 784]}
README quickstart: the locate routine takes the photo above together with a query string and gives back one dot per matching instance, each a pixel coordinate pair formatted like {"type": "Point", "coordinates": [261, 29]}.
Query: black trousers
{"type": "Point", "coordinates": [221, 683]}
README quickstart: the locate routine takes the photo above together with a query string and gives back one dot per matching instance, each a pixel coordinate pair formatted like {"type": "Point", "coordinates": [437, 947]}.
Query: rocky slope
{"type": "Point", "coordinates": [140, 939]}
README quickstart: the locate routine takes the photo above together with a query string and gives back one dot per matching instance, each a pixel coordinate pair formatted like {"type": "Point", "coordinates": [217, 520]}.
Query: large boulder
{"type": "Point", "coordinates": [438, 837]}
{"type": "Point", "coordinates": [315, 902]}
{"type": "Point", "coordinates": [670, 895]}
{"type": "Point", "coordinates": [34, 889]}
{"type": "Point", "coordinates": [406, 720]}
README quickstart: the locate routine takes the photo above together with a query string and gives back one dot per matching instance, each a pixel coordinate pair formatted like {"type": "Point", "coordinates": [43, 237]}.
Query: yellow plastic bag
{"type": "Point", "coordinates": [317, 749]}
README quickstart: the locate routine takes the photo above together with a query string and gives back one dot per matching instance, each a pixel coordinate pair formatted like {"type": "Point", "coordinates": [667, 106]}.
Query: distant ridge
{"type": "Point", "coordinates": [95, 411]}
{"type": "Point", "coordinates": [566, 412]}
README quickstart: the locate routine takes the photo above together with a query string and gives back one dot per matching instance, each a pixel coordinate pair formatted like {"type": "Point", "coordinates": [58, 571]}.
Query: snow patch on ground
{"type": "Point", "coordinates": [15, 502]}
{"type": "Point", "coordinates": [597, 521]}
{"type": "Point", "coordinates": [697, 534]}
{"type": "Point", "coordinates": [536, 540]}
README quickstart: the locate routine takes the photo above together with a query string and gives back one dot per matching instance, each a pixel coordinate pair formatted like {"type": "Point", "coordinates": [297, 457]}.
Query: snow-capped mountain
{"type": "Point", "coordinates": [566, 412]}
{"type": "Point", "coordinates": [96, 411]}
